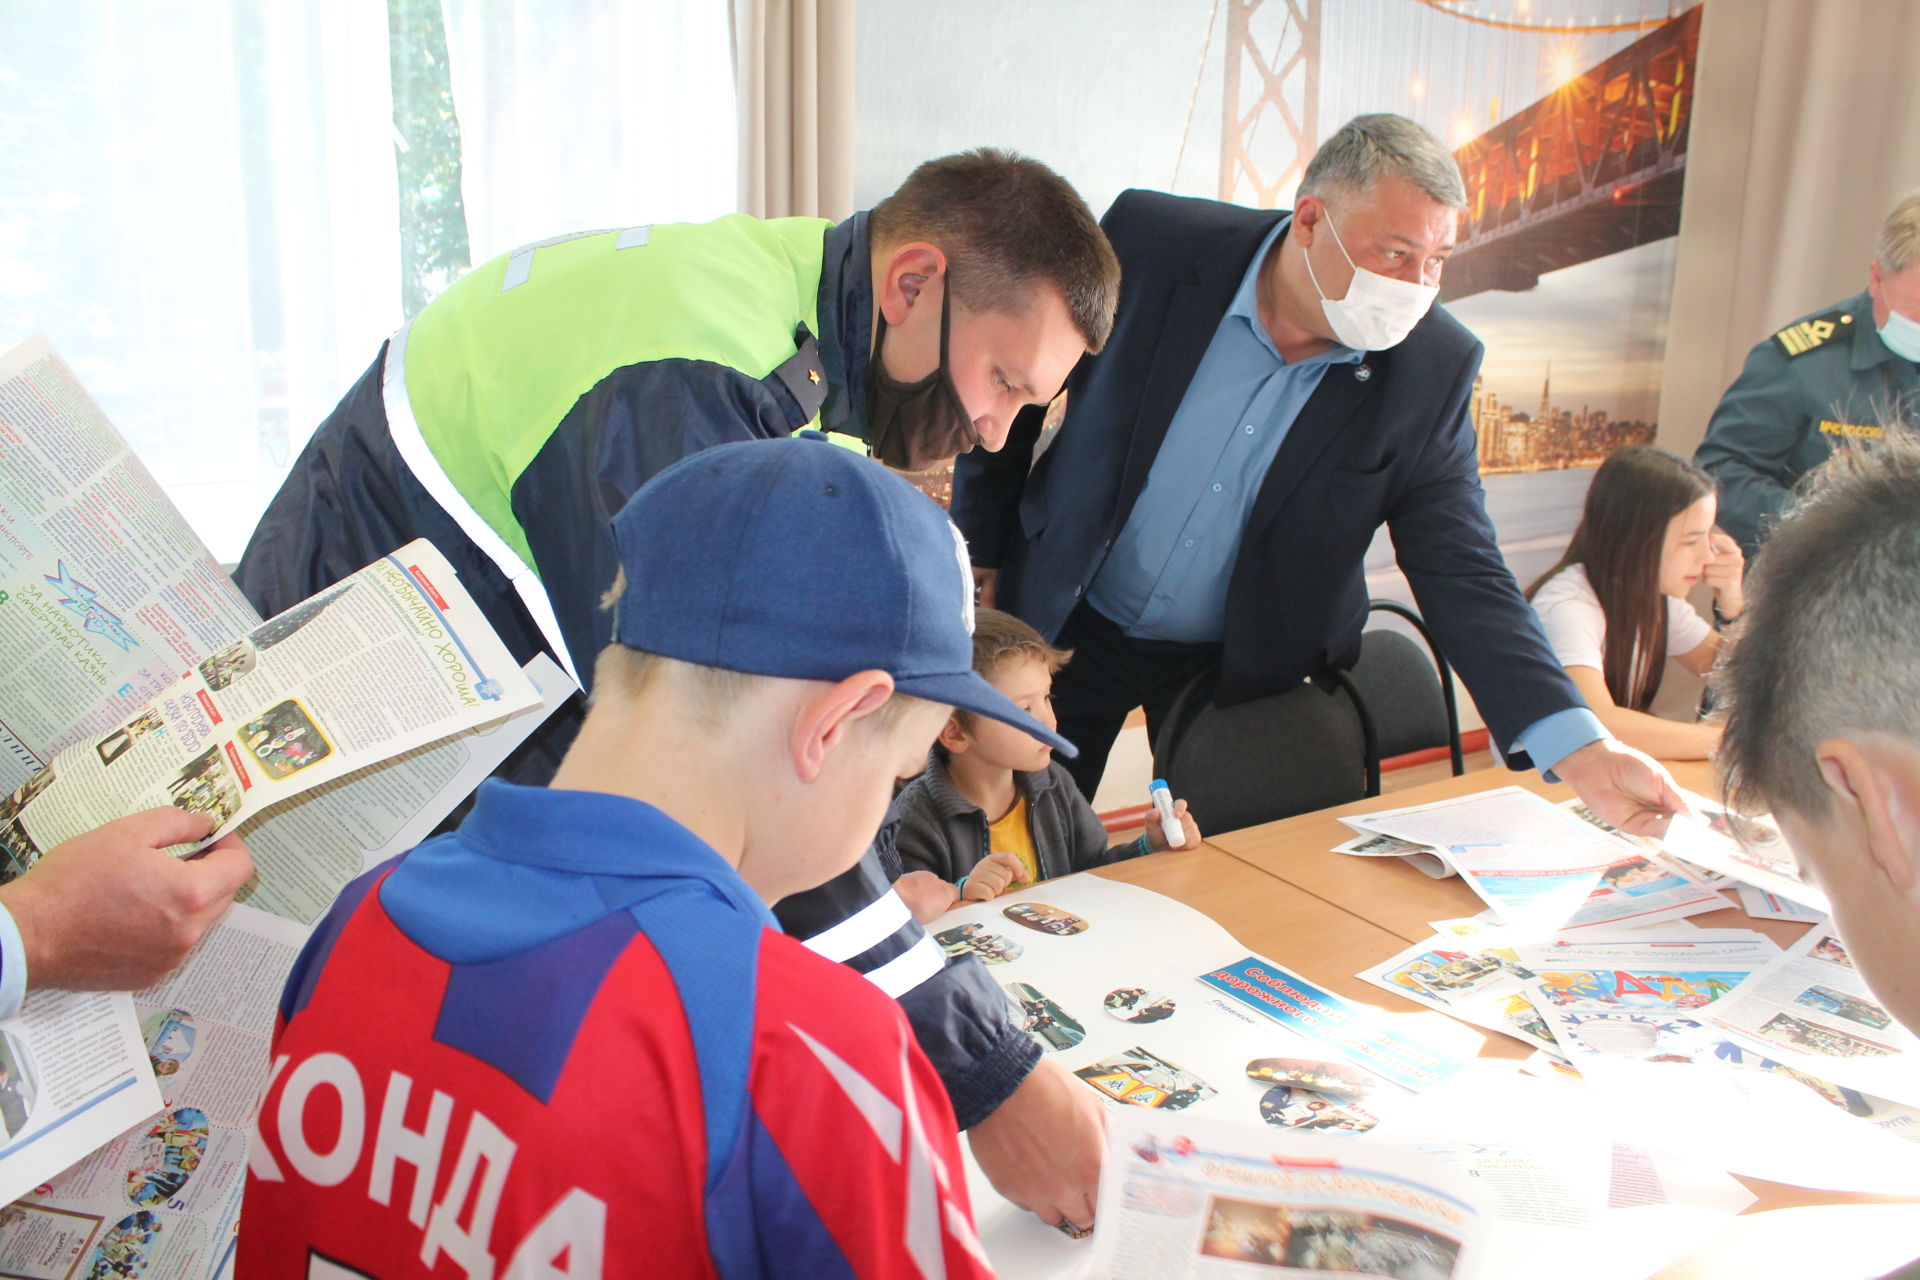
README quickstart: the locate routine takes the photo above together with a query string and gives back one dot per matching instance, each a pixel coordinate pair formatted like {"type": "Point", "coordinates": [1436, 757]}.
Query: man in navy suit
{"type": "Point", "coordinates": [1277, 386]}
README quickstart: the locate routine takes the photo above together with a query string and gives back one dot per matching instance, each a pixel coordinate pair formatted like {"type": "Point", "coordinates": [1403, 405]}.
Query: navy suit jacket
{"type": "Point", "coordinates": [1387, 441]}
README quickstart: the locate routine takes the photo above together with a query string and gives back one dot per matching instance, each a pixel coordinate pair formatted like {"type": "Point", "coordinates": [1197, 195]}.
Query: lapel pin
{"type": "Point", "coordinates": [1361, 373]}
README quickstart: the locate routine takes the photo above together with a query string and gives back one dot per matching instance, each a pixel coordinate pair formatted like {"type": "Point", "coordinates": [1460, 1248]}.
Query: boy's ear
{"type": "Point", "coordinates": [820, 725]}
{"type": "Point", "coordinates": [1877, 783]}
{"type": "Point", "coordinates": [953, 736]}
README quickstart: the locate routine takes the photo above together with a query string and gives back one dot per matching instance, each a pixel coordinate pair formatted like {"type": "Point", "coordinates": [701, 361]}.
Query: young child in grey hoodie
{"type": "Point", "coordinates": [993, 810]}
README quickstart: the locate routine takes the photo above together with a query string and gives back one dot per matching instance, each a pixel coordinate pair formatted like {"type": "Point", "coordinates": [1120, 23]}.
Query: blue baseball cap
{"type": "Point", "coordinates": [800, 559]}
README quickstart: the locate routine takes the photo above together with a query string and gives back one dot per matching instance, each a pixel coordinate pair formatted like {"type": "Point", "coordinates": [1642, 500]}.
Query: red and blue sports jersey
{"type": "Point", "coordinates": [568, 1040]}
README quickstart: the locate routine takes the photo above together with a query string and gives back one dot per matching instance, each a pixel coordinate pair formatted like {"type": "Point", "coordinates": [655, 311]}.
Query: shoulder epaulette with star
{"type": "Point", "coordinates": [1815, 331]}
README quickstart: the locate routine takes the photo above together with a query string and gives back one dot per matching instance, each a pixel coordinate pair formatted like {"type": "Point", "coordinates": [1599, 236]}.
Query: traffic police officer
{"type": "Point", "coordinates": [514, 416]}
{"type": "Point", "coordinates": [1828, 379]}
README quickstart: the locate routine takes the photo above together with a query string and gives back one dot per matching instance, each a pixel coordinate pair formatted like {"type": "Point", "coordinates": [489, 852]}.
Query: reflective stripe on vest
{"type": "Point", "coordinates": [412, 447]}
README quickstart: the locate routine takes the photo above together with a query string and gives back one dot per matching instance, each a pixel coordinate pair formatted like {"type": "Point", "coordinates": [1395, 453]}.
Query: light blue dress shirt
{"type": "Point", "coordinates": [1166, 577]}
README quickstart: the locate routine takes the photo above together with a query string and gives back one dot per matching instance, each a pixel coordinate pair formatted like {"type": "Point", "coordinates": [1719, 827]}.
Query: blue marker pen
{"type": "Point", "coordinates": [1163, 805]}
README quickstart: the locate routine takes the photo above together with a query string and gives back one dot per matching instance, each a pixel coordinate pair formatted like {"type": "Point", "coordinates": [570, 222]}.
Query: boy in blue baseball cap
{"type": "Point", "coordinates": [569, 1035]}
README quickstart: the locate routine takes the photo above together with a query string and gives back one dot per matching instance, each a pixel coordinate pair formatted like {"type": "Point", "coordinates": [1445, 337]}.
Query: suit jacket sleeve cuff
{"type": "Point", "coordinates": [1553, 738]}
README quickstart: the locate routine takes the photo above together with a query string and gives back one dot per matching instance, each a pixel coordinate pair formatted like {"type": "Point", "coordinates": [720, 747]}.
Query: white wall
{"type": "Point", "coordinates": [1099, 91]}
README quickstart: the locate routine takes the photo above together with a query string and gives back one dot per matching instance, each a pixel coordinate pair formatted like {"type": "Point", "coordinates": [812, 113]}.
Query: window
{"type": "Point", "coordinates": [217, 211]}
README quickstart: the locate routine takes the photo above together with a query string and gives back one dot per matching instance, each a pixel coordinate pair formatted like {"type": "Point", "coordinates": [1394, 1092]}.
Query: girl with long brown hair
{"type": "Point", "coordinates": [1614, 607]}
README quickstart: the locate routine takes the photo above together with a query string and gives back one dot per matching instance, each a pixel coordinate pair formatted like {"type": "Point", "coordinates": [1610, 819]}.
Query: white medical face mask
{"type": "Point", "coordinates": [1378, 311]}
{"type": "Point", "coordinates": [1901, 335]}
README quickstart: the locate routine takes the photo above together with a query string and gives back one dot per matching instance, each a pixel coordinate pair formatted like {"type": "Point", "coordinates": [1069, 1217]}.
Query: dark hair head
{"type": "Point", "coordinates": [1007, 224]}
{"type": "Point", "coordinates": [1830, 641]}
{"type": "Point", "coordinates": [1622, 532]}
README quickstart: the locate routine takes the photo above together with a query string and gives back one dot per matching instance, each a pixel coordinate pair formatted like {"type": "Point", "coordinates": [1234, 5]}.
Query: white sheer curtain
{"type": "Point", "coordinates": [593, 113]}
{"type": "Point", "coordinates": [198, 201]}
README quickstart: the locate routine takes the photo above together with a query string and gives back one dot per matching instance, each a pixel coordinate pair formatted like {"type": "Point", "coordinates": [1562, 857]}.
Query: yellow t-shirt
{"type": "Point", "coordinates": [1014, 834]}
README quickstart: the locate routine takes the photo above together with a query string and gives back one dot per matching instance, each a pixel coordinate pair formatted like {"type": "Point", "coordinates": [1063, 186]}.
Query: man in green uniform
{"type": "Point", "coordinates": [512, 418]}
{"type": "Point", "coordinates": [515, 415]}
{"type": "Point", "coordinates": [1828, 379]}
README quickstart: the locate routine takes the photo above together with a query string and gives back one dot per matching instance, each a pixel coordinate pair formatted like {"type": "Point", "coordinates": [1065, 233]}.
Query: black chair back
{"type": "Point", "coordinates": [1403, 696]}
{"type": "Point", "coordinates": [1262, 760]}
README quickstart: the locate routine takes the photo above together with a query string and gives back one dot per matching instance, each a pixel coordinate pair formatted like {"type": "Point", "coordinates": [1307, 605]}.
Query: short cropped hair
{"type": "Point", "coordinates": [1007, 223]}
{"type": "Point", "coordinates": [999, 639]}
{"type": "Point", "coordinates": [1899, 246]}
{"type": "Point", "coordinates": [1369, 148]}
{"type": "Point", "coordinates": [1830, 642]}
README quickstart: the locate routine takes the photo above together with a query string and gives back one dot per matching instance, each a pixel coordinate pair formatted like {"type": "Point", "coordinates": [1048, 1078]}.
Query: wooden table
{"type": "Point", "coordinates": [1319, 941]}
{"type": "Point", "coordinates": [1280, 889]}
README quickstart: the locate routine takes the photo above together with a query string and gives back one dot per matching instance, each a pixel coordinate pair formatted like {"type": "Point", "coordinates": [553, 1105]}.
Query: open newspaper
{"type": "Point", "coordinates": [332, 736]}
{"type": "Point", "coordinates": [389, 660]}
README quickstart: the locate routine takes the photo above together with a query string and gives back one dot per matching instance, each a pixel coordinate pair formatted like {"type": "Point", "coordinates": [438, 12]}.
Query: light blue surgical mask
{"type": "Point", "coordinates": [1901, 335]}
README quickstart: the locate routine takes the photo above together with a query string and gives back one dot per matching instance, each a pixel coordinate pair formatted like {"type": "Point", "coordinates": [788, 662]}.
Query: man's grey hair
{"type": "Point", "coordinates": [1830, 643]}
{"type": "Point", "coordinates": [1899, 246]}
{"type": "Point", "coordinates": [1368, 148]}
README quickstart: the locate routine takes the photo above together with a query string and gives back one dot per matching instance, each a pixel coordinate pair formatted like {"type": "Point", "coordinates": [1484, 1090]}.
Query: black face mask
{"type": "Point", "coordinates": [913, 425]}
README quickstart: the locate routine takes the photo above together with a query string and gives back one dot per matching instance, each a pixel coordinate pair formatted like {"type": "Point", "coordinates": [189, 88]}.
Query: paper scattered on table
{"type": "Point", "coordinates": [1557, 1182]}
{"type": "Point", "coordinates": [1335, 1024]}
{"type": "Point", "coordinates": [72, 1076]}
{"type": "Point", "coordinates": [1103, 975]}
{"type": "Point", "coordinates": [1748, 849]}
{"type": "Point", "coordinates": [1371, 844]}
{"type": "Point", "coordinates": [1540, 867]}
{"type": "Point", "coordinates": [1180, 1196]}
{"type": "Point", "coordinates": [1763, 1124]}
{"type": "Point", "coordinates": [1638, 999]}
{"type": "Point", "coordinates": [1473, 974]}
{"type": "Point", "coordinates": [1810, 1010]}
{"type": "Point", "coordinates": [1762, 905]}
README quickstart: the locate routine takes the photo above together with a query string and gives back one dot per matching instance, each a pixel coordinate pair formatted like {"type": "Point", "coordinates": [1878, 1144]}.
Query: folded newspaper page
{"type": "Point", "coordinates": [205, 1029]}
{"type": "Point", "coordinates": [1746, 848]}
{"type": "Point", "coordinates": [1540, 867]}
{"type": "Point", "coordinates": [110, 611]}
{"type": "Point", "coordinates": [106, 594]}
{"type": "Point", "coordinates": [394, 658]}
{"type": "Point", "coordinates": [1184, 1196]}
{"type": "Point", "coordinates": [1371, 844]}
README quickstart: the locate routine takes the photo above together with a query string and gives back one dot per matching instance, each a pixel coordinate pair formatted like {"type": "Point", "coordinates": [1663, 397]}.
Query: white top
{"type": "Point", "coordinates": [1577, 628]}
